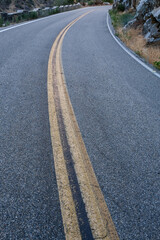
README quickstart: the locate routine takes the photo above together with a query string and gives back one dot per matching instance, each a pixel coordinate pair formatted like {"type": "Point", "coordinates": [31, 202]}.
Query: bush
{"type": "Point", "coordinates": [157, 64]}
{"type": "Point", "coordinates": [90, 3]}
{"type": "Point", "coordinates": [114, 17]}
{"type": "Point", "coordinates": [121, 7]}
{"type": "Point", "coordinates": [120, 19]}
{"type": "Point", "coordinates": [110, 1]}
{"type": "Point", "coordinates": [16, 19]}
{"type": "Point", "coordinates": [33, 15]}
{"type": "Point", "coordinates": [126, 17]}
{"type": "Point", "coordinates": [25, 16]}
{"type": "Point", "coordinates": [54, 11]}
{"type": "Point", "coordinates": [1, 22]}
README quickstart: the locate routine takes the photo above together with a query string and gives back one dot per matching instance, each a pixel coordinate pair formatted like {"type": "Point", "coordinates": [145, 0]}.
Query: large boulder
{"type": "Point", "coordinates": [156, 14]}
{"type": "Point", "coordinates": [144, 7]}
{"type": "Point", "coordinates": [125, 3]}
{"type": "Point", "coordinates": [147, 16]}
{"type": "Point", "coordinates": [151, 28]}
{"type": "Point", "coordinates": [147, 26]}
{"type": "Point", "coordinates": [157, 3]}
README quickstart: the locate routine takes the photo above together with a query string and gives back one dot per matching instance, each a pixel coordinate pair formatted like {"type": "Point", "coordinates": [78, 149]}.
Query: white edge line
{"type": "Point", "coordinates": [26, 23]}
{"type": "Point", "coordinates": [33, 21]}
{"type": "Point", "coordinates": [127, 51]}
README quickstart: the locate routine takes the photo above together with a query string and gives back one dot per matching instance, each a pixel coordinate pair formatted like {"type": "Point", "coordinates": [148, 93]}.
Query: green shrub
{"type": "Point", "coordinates": [25, 16]}
{"type": "Point", "coordinates": [1, 22]}
{"type": "Point", "coordinates": [157, 64]}
{"type": "Point", "coordinates": [120, 19]}
{"type": "Point", "coordinates": [16, 20]}
{"type": "Point", "coordinates": [53, 11]}
{"type": "Point", "coordinates": [90, 3]}
{"type": "Point", "coordinates": [114, 17]}
{"type": "Point", "coordinates": [126, 17]}
{"type": "Point", "coordinates": [138, 53]}
{"type": "Point", "coordinates": [33, 15]}
{"type": "Point", "coordinates": [110, 1]}
{"type": "Point", "coordinates": [19, 18]}
{"type": "Point", "coordinates": [121, 7]}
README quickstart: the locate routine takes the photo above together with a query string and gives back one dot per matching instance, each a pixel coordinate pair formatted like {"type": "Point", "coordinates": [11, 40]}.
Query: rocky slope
{"type": "Point", "coordinates": [14, 5]}
{"type": "Point", "coordinates": [147, 15]}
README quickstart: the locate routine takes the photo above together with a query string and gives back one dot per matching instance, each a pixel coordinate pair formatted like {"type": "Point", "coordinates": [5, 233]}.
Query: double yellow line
{"type": "Point", "coordinates": [98, 215]}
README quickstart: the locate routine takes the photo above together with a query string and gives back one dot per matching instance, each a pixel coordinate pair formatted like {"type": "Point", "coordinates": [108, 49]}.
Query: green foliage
{"type": "Point", "coordinates": [90, 3]}
{"type": "Point", "coordinates": [19, 17]}
{"type": "Point", "coordinates": [69, 2]}
{"type": "Point", "coordinates": [109, 1]}
{"type": "Point", "coordinates": [54, 11]}
{"type": "Point", "coordinates": [33, 15]}
{"type": "Point", "coordinates": [16, 19]}
{"type": "Point", "coordinates": [25, 16]}
{"type": "Point", "coordinates": [121, 7]}
{"type": "Point", "coordinates": [114, 17]}
{"type": "Point", "coordinates": [157, 64]}
{"type": "Point", "coordinates": [120, 19]}
{"type": "Point", "coordinates": [7, 23]}
{"type": "Point", "coordinates": [126, 17]}
{"type": "Point", "coordinates": [138, 53]}
{"type": "Point", "coordinates": [1, 22]}
{"type": "Point", "coordinates": [63, 2]}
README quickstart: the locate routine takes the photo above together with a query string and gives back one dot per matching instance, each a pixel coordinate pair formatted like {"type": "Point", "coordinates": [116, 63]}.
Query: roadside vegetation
{"type": "Point", "coordinates": [25, 16]}
{"type": "Point", "coordinates": [97, 2]}
{"type": "Point", "coordinates": [16, 11]}
{"type": "Point", "coordinates": [133, 38]}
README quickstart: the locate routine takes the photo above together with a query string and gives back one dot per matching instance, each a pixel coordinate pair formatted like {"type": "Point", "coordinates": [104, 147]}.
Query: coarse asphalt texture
{"type": "Point", "coordinates": [29, 205]}
{"type": "Point", "coordinates": [117, 105]}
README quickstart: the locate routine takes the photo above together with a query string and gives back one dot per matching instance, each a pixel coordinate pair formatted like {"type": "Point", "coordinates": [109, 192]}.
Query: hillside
{"type": "Point", "coordinates": [13, 5]}
{"type": "Point", "coordinates": [138, 26]}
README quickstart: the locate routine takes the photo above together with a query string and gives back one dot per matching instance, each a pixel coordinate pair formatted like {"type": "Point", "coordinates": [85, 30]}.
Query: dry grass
{"type": "Point", "coordinates": [133, 38]}
{"type": "Point", "coordinates": [135, 41]}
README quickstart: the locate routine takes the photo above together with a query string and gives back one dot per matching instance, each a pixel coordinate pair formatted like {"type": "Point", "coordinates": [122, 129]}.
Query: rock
{"type": "Point", "coordinates": [106, 3]}
{"type": "Point", "coordinates": [151, 31]}
{"type": "Point", "coordinates": [143, 13]}
{"type": "Point", "coordinates": [147, 16]}
{"type": "Point", "coordinates": [157, 3]}
{"type": "Point", "coordinates": [156, 14]}
{"type": "Point", "coordinates": [157, 41]}
{"type": "Point", "coordinates": [155, 30]}
{"type": "Point", "coordinates": [144, 7]}
{"type": "Point", "coordinates": [127, 4]}
{"type": "Point", "coordinates": [116, 3]}
{"type": "Point", "coordinates": [130, 24]}
{"type": "Point", "coordinates": [147, 26]}
{"type": "Point", "coordinates": [153, 41]}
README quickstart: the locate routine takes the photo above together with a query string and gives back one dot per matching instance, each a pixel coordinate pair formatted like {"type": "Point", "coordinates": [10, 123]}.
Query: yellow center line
{"type": "Point", "coordinates": [99, 217]}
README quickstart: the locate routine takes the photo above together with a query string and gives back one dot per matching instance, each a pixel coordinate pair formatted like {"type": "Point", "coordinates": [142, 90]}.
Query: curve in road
{"type": "Point", "coordinates": [116, 103]}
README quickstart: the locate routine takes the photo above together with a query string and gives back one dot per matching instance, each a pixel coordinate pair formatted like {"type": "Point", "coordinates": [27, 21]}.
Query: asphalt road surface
{"type": "Point", "coordinates": [117, 106]}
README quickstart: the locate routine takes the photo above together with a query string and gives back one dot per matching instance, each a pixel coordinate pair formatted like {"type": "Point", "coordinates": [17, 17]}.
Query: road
{"type": "Point", "coordinates": [117, 105]}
